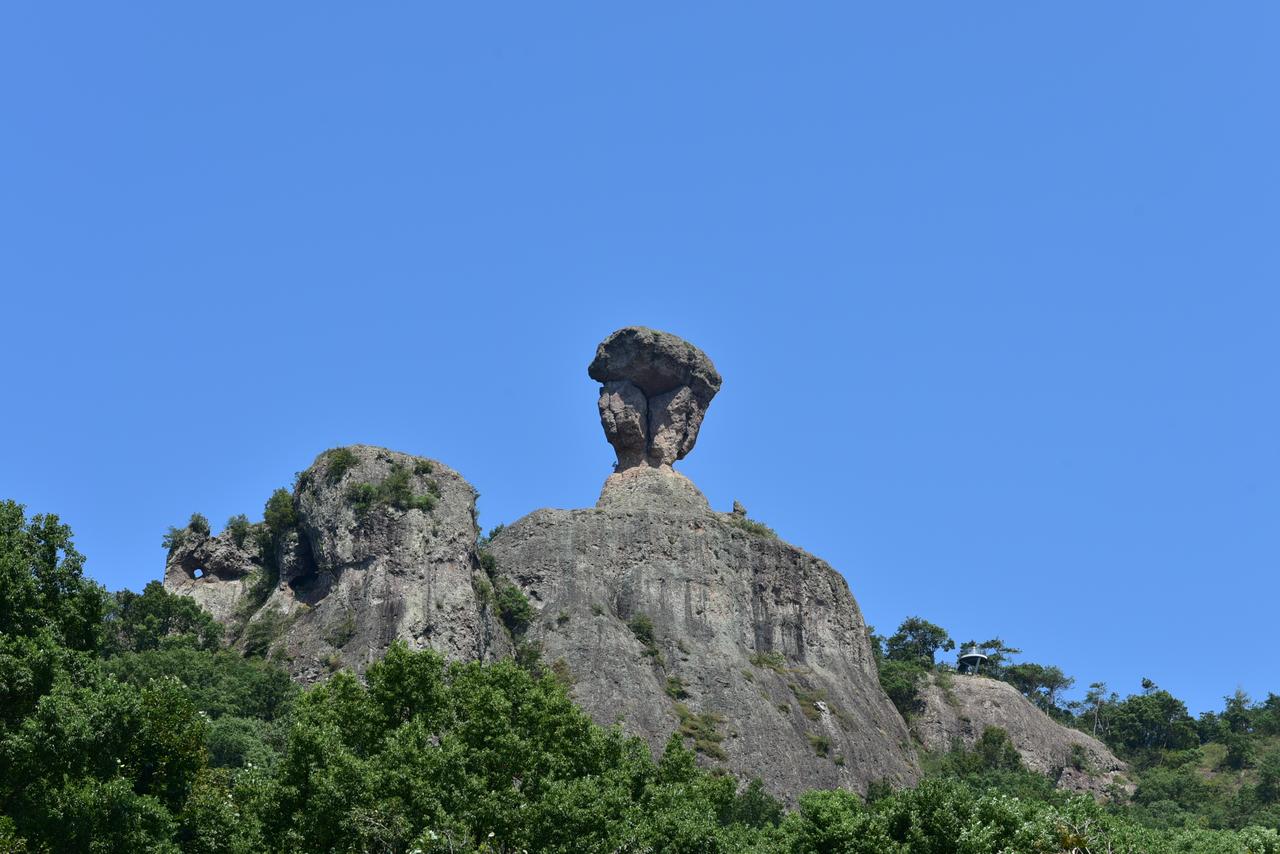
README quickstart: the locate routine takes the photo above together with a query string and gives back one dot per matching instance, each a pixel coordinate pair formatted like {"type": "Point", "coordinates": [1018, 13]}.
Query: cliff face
{"type": "Point", "coordinates": [381, 547]}
{"type": "Point", "coordinates": [959, 710]}
{"type": "Point", "coordinates": [673, 618]}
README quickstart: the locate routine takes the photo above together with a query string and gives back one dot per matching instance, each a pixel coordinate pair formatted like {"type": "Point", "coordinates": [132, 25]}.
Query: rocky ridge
{"type": "Point", "coordinates": [660, 613]}
{"type": "Point", "coordinates": [670, 617]}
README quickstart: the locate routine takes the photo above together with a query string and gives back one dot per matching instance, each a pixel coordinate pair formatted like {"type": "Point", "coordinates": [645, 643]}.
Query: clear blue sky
{"type": "Point", "coordinates": [995, 288]}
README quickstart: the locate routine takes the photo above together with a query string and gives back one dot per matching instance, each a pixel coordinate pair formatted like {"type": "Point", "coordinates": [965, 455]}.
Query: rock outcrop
{"type": "Point", "coordinates": [381, 547]}
{"type": "Point", "coordinates": [959, 709]}
{"type": "Point", "coordinates": [670, 617]}
{"type": "Point", "coordinates": [215, 571]}
{"type": "Point", "coordinates": [656, 390]}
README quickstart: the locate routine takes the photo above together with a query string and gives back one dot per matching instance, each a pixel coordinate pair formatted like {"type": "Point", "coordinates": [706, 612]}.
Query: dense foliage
{"type": "Point", "coordinates": [125, 727]}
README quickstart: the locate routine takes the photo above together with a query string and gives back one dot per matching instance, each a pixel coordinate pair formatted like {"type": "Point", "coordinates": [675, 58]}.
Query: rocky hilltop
{"type": "Point", "coordinates": [372, 546]}
{"type": "Point", "coordinates": [959, 709]}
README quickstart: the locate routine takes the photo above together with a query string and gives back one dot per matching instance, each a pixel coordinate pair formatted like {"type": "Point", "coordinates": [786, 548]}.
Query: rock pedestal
{"type": "Point", "coordinates": [656, 389]}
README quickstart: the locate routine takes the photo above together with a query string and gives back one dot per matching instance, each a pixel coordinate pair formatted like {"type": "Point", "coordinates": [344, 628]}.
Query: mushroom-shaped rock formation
{"type": "Point", "coordinates": [673, 618]}
{"type": "Point", "coordinates": [656, 388]}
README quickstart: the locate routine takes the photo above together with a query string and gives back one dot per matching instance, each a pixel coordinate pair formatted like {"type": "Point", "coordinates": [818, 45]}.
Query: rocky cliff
{"type": "Point", "coordinates": [372, 546]}
{"type": "Point", "coordinates": [958, 709]}
{"type": "Point", "coordinates": [670, 617]}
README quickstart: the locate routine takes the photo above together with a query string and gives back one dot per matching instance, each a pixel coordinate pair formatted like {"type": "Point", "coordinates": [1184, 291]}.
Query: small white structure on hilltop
{"type": "Point", "coordinates": [971, 660]}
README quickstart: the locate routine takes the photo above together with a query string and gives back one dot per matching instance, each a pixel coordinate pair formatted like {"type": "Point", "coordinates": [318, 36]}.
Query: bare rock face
{"type": "Point", "coordinates": [656, 389]}
{"type": "Point", "coordinates": [382, 549]}
{"type": "Point", "coordinates": [959, 710]}
{"type": "Point", "coordinates": [670, 617]}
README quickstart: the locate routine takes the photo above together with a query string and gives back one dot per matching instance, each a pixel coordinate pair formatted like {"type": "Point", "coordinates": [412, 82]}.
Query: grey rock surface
{"type": "Point", "coordinates": [959, 709]}
{"type": "Point", "coordinates": [357, 572]}
{"type": "Point", "coordinates": [215, 571]}
{"type": "Point", "coordinates": [655, 390]}
{"type": "Point", "coordinates": [754, 642]}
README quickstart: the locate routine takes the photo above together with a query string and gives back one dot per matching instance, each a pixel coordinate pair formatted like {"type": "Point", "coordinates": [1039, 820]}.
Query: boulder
{"type": "Point", "coordinates": [655, 390]}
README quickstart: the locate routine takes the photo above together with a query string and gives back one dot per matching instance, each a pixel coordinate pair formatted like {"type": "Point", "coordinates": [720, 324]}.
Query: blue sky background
{"type": "Point", "coordinates": [995, 289]}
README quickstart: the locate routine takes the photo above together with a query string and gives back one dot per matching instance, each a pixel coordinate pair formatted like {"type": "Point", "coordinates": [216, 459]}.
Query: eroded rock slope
{"type": "Point", "coordinates": [959, 709]}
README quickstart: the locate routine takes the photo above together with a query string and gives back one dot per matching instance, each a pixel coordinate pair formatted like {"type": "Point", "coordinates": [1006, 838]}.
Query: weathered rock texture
{"type": "Point", "coordinates": [215, 571]}
{"type": "Point", "coordinates": [958, 710]}
{"type": "Point", "coordinates": [757, 649]}
{"type": "Point", "coordinates": [365, 564]}
{"type": "Point", "coordinates": [656, 390]}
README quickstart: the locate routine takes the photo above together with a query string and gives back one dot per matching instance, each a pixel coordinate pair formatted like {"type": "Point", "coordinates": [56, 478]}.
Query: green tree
{"type": "Point", "coordinates": [139, 622]}
{"type": "Point", "coordinates": [42, 587]}
{"type": "Point", "coordinates": [220, 683]}
{"type": "Point", "coordinates": [1152, 720]}
{"type": "Point", "coordinates": [1095, 701]}
{"type": "Point", "coordinates": [1039, 683]}
{"type": "Point", "coordinates": [1268, 786]}
{"type": "Point", "coordinates": [901, 680]}
{"type": "Point", "coordinates": [917, 640]}
{"type": "Point", "coordinates": [239, 527]}
{"type": "Point", "coordinates": [279, 515]}
{"type": "Point", "coordinates": [198, 524]}
{"type": "Point", "coordinates": [513, 608]}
